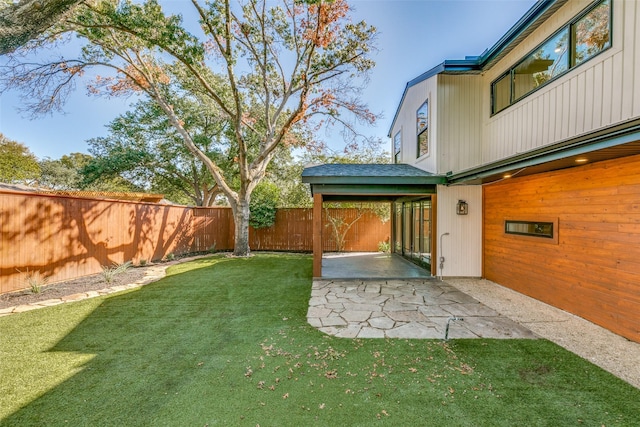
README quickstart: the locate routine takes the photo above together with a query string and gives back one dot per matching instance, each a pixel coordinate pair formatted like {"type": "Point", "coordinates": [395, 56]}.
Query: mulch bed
{"type": "Point", "coordinates": [94, 282]}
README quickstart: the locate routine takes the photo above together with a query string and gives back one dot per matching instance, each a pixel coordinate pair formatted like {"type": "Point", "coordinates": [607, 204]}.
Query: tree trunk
{"type": "Point", "coordinates": [241, 219]}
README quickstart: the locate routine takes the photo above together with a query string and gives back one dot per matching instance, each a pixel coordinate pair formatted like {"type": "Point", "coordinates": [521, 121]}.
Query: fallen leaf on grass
{"type": "Point", "coordinates": [285, 396]}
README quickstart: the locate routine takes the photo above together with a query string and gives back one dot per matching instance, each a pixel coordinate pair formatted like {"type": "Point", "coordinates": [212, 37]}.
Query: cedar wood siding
{"type": "Point", "coordinates": [594, 269]}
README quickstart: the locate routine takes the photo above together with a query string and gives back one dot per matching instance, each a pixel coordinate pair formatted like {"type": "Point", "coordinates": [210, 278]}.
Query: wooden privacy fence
{"type": "Point", "coordinates": [62, 237]}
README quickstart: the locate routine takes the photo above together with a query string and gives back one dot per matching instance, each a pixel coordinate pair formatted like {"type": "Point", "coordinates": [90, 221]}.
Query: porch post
{"type": "Point", "coordinates": [317, 235]}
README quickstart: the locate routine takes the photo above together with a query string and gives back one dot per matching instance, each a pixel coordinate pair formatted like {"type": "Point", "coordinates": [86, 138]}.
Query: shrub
{"type": "Point", "coordinates": [264, 204]}
{"type": "Point", "coordinates": [384, 247]}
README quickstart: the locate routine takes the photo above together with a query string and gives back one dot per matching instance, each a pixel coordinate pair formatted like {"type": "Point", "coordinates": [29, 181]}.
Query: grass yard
{"type": "Point", "coordinates": [224, 341]}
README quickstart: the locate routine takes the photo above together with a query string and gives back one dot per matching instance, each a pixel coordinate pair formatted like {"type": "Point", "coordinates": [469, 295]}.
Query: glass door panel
{"type": "Point", "coordinates": [406, 232]}
{"type": "Point", "coordinates": [397, 238]}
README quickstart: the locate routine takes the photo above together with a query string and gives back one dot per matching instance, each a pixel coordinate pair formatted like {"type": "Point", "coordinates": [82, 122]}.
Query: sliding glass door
{"type": "Point", "coordinates": [412, 231]}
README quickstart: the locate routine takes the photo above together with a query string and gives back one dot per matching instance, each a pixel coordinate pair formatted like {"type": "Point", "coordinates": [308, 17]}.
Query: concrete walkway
{"type": "Point", "coordinates": [404, 308]}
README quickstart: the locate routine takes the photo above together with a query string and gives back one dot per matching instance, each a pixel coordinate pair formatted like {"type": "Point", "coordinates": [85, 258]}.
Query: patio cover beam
{"type": "Point", "coordinates": [317, 235]}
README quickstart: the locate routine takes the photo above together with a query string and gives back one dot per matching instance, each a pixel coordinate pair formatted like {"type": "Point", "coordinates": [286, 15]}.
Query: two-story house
{"type": "Point", "coordinates": [539, 141]}
{"type": "Point", "coordinates": [530, 162]}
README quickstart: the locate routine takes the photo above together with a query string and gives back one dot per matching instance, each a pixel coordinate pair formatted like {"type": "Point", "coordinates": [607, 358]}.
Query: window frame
{"type": "Point", "coordinates": [422, 130]}
{"type": "Point", "coordinates": [514, 97]}
{"type": "Point", "coordinates": [397, 146]}
{"type": "Point", "coordinates": [569, 27]}
{"type": "Point", "coordinates": [553, 239]}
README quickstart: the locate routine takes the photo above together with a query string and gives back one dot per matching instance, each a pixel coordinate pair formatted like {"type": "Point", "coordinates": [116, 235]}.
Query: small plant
{"type": "Point", "coordinates": [170, 257]}
{"type": "Point", "coordinates": [110, 273]}
{"type": "Point", "coordinates": [384, 247]}
{"type": "Point", "coordinates": [143, 262]}
{"type": "Point", "coordinates": [212, 249]}
{"type": "Point", "coordinates": [36, 281]}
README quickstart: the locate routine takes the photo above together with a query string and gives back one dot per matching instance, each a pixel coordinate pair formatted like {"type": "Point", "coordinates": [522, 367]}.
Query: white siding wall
{"type": "Point", "coordinates": [459, 122]}
{"type": "Point", "coordinates": [462, 248]}
{"type": "Point", "coordinates": [603, 91]}
{"type": "Point", "coordinates": [406, 123]}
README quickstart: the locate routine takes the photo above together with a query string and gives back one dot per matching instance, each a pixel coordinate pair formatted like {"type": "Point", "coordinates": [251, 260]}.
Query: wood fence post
{"type": "Point", "coordinates": [317, 235]}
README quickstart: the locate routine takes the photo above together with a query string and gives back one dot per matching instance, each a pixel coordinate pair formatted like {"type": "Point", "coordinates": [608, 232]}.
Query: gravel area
{"type": "Point", "coordinates": [603, 348]}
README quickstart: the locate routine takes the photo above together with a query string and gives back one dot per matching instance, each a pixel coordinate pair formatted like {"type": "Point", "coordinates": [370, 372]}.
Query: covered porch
{"type": "Point", "coordinates": [376, 183]}
{"type": "Point", "coordinates": [370, 265]}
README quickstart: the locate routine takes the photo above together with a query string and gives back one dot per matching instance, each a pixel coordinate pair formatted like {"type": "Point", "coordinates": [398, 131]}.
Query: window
{"type": "Point", "coordinates": [591, 34]}
{"type": "Point", "coordinates": [583, 38]}
{"type": "Point", "coordinates": [544, 64]}
{"type": "Point", "coordinates": [528, 228]}
{"type": "Point", "coordinates": [422, 127]}
{"type": "Point", "coordinates": [501, 93]}
{"type": "Point", "coordinates": [397, 147]}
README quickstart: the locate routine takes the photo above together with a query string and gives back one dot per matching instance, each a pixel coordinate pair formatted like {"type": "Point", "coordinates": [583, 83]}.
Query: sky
{"type": "Point", "coordinates": [414, 36]}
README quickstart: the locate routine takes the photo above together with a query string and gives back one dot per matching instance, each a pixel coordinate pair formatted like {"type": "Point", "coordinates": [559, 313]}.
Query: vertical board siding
{"type": "Point", "coordinates": [634, 90]}
{"type": "Point", "coordinates": [65, 237]}
{"type": "Point", "coordinates": [462, 248]}
{"type": "Point", "coordinates": [603, 91]}
{"type": "Point", "coordinates": [459, 122]}
{"type": "Point", "coordinates": [406, 123]}
{"type": "Point", "coordinates": [594, 270]}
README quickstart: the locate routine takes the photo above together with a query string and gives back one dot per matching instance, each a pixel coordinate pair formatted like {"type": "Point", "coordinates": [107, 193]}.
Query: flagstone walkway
{"type": "Point", "coordinates": [404, 308]}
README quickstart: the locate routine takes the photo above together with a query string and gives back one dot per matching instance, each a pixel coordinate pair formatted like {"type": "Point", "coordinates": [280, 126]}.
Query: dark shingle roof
{"type": "Point", "coordinates": [368, 173]}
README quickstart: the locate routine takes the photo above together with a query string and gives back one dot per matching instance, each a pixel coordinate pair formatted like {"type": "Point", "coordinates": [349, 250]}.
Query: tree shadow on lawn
{"type": "Point", "coordinates": [225, 341]}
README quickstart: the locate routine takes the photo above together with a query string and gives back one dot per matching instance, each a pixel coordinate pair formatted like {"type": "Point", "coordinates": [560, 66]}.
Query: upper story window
{"type": "Point", "coordinates": [544, 64]}
{"type": "Point", "coordinates": [397, 147]}
{"type": "Point", "coordinates": [422, 129]}
{"type": "Point", "coordinates": [581, 39]}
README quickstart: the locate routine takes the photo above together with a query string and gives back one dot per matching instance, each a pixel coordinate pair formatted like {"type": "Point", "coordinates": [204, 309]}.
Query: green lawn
{"type": "Point", "coordinates": [224, 341]}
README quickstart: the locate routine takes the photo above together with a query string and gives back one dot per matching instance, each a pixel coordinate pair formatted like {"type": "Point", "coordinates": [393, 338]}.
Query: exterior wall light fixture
{"type": "Point", "coordinates": [462, 208]}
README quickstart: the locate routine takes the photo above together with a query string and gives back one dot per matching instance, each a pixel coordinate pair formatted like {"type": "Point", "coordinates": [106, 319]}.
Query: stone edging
{"type": "Point", "coordinates": [153, 274]}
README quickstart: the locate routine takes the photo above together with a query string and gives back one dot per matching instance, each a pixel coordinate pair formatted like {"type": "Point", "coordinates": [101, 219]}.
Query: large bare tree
{"type": "Point", "coordinates": [267, 67]}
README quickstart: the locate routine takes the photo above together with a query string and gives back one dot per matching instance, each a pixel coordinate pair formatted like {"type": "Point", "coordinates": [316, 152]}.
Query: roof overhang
{"type": "Point", "coordinates": [613, 142]}
{"type": "Point", "coordinates": [369, 182]}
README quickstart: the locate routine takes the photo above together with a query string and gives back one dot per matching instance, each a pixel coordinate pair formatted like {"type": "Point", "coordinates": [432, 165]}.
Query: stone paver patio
{"type": "Point", "coordinates": [404, 308]}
